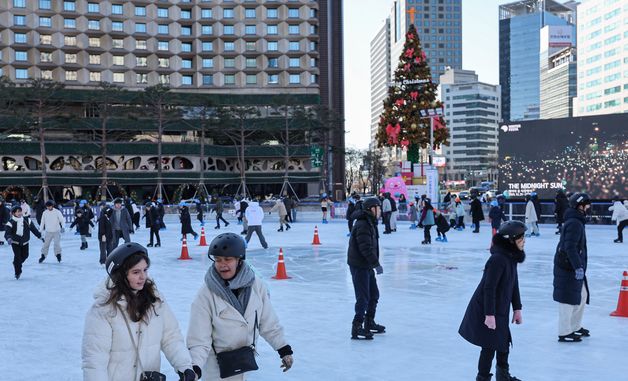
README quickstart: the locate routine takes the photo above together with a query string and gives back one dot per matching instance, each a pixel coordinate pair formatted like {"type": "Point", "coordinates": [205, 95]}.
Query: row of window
{"type": "Point", "coordinates": [140, 11]}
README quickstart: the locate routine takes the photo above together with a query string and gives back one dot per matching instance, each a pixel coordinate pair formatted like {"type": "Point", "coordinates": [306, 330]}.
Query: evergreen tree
{"type": "Point", "coordinates": [400, 124]}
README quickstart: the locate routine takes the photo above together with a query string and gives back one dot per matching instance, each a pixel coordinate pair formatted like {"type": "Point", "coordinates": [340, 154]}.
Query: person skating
{"type": "Point", "coordinates": [199, 212]}
{"type": "Point", "coordinates": [26, 209]}
{"type": "Point", "coordinates": [121, 223]}
{"type": "Point", "coordinates": [135, 214]}
{"type": "Point", "coordinates": [39, 208]}
{"type": "Point", "coordinates": [83, 223]}
{"type": "Point", "coordinates": [52, 223]}
{"type": "Point", "coordinates": [219, 208]}
{"type": "Point", "coordinates": [325, 205]}
{"type": "Point", "coordinates": [105, 233]}
{"type": "Point", "coordinates": [186, 222]}
{"type": "Point", "coordinates": [460, 214]}
{"type": "Point", "coordinates": [17, 233]}
{"type": "Point", "coordinates": [230, 310]}
{"type": "Point", "coordinates": [280, 208]}
{"type": "Point", "coordinates": [244, 204]}
{"type": "Point", "coordinates": [571, 289]}
{"type": "Point", "coordinates": [477, 214]}
{"type": "Point", "coordinates": [130, 324]}
{"type": "Point", "coordinates": [537, 208]}
{"type": "Point", "coordinates": [427, 221]}
{"type": "Point", "coordinates": [620, 215]}
{"type": "Point", "coordinates": [413, 215]}
{"type": "Point", "coordinates": [496, 216]}
{"type": "Point", "coordinates": [363, 261]}
{"type": "Point", "coordinates": [289, 204]}
{"type": "Point", "coordinates": [531, 217]}
{"type": "Point", "coordinates": [394, 213]}
{"type": "Point", "coordinates": [254, 216]}
{"type": "Point", "coordinates": [442, 226]}
{"type": "Point", "coordinates": [386, 213]}
{"type": "Point", "coordinates": [487, 317]}
{"type": "Point", "coordinates": [560, 206]}
{"type": "Point", "coordinates": [161, 211]}
{"type": "Point", "coordinates": [153, 223]}
{"type": "Point", "coordinates": [5, 216]}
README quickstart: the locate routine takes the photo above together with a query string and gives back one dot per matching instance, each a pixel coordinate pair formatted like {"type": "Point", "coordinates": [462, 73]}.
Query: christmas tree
{"type": "Point", "coordinates": [401, 124]}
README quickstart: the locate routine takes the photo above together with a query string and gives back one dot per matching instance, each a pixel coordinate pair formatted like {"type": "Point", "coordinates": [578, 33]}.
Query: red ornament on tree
{"type": "Point", "coordinates": [414, 95]}
{"type": "Point", "coordinates": [409, 53]}
{"type": "Point", "coordinates": [400, 102]}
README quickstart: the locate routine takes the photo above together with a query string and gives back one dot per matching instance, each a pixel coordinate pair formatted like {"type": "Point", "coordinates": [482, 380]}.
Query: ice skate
{"type": "Point", "coordinates": [483, 378]}
{"type": "Point", "coordinates": [280, 229]}
{"type": "Point", "coordinates": [618, 241]}
{"type": "Point", "coordinates": [583, 332]}
{"type": "Point", "coordinates": [359, 333]}
{"type": "Point", "coordinates": [42, 258]}
{"type": "Point", "coordinates": [226, 224]}
{"type": "Point", "coordinates": [158, 244]}
{"type": "Point", "coordinates": [439, 239]}
{"type": "Point", "coordinates": [370, 325]}
{"type": "Point", "coordinates": [571, 338]}
{"type": "Point", "coordinates": [502, 374]}
{"type": "Point", "coordinates": [149, 245]}
{"type": "Point", "coordinates": [288, 227]}
{"type": "Point", "coordinates": [58, 257]}
{"type": "Point", "coordinates": [444, 239]}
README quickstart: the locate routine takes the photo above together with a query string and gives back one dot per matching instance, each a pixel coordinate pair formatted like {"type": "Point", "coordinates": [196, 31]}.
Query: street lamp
{"type": "Point", "coordinates": [431, 113]}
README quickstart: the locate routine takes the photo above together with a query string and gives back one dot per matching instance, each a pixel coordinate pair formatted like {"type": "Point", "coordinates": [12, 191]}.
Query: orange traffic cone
{"type": "Point", "coordinates": [281, 267]}
{"type": "Point", "coordinates": [203, 242]}
{"type": "Point", "coordinates": [184, 249]}
{"type": "Point", "coordinates": [622, 303]}
{"type": "Point", "coordinates": [316, 241]}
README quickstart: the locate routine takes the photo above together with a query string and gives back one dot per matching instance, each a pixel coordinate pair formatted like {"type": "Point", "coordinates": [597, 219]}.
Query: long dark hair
{"type": "Point", "coordinates": [138, 303]}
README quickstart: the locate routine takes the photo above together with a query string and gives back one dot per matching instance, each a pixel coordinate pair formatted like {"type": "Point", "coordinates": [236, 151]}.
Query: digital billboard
{"type": "Point", "coordinates": [584, 154]}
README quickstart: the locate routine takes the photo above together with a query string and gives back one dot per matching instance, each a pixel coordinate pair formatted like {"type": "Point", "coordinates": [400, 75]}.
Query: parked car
{"type": "Point", "coordinates": [464, 195]}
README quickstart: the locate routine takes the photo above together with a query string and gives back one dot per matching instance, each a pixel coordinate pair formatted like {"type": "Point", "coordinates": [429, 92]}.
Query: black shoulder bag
{"type": "Point", "coordinates": [239, 360]}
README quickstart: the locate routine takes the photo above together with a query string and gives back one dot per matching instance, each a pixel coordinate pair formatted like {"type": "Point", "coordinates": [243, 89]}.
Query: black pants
{"type": "Point", "coordinates": [154, 232]}
{"type": "Point", "coordinates": [366, 292]}
{"type": "Point", "coordinates": [257, 229]}
{"type": "Point", "coordinates": [477, 225]}
{"type": "Point", "coordinates": [20, 253]}
{"type": "Point", "coordinates": [117, 234]}
{"type": "Point", "coordinates": [386, 216]}
{"type": "Point", "coordinates": [105, 250]}
{"type": "Point", "coordinates": [426, 233]}
{"type": "Point", "coordinates": [486, 361]}
{"type": "Point", "coordinates": [289, 215]}
{"type": "Point", "coordinates": [440, 232]}
{"type": "Point", "coordinates": [620, 230]}
{"type": "Point", "coordinates": [218, 218]}
{"type": "Point", "coordinates": [460, 222]}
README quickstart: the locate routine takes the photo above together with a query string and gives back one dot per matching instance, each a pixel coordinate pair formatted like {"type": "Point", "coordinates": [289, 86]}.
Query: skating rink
{"type": "Point", "coordinates": [424, 293]}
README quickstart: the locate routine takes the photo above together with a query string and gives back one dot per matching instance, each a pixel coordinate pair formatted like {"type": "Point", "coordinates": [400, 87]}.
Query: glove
{"type": "Point", "coordinates": [420, 226]}
{"type": "Point", "coordinates": [10, 241]}
{"type": "Point", "coordinates": [286, 362]}
{"type": "Point", "coordinates": [62, 230]}
{"type": "Point", "coordinates": [379, 269]}
{"type": "Point", "coordinates": [43, 240]}
{"type": "Point", "coordinates": [188, 375]}
{"type": "Point", "coordinates": [579, 273]}
{"type": "Point", "coordinates": [197, 370]}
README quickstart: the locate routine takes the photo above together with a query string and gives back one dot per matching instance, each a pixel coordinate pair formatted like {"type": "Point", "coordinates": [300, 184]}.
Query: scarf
{"type": "Point", "coordinates": [19, 226]}
{"type": "Point", "coordinates": [224, 288]}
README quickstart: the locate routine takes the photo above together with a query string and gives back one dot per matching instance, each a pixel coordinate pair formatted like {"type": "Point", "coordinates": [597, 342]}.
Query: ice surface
{"type": "Point", "coordinates": [424, 293]}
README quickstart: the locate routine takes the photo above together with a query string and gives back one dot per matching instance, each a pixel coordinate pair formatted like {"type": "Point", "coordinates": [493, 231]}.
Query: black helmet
{"type": "Point", "coordinates": [15, 209]}
{"type": "Point", "coordinates": [121, 253]}
{"type": "Point", "coordinates": [227, 245]}
{"type": "Point", "coordinates": [512, 229]}
{"type": "Point", "coordinates": [50, 203]}
{"type": "Point", "coordinates": [578, 199]}
{"type": "Point", "coordinates": [117, 201]}
{"type": "Point", "coordinates": [370, 202]}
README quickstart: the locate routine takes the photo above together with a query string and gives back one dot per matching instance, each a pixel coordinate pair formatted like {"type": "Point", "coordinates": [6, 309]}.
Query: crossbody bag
{"type": "Point", "coordinates": [239, 360]}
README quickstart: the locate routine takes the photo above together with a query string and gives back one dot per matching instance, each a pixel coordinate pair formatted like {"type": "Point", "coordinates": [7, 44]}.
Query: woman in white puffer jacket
{"type": "Point", "coordinates": [129, 304]}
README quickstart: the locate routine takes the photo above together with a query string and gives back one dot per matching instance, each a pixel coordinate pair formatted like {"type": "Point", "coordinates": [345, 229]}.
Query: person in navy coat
{"type": "Point", "coordinates": [486, 320]}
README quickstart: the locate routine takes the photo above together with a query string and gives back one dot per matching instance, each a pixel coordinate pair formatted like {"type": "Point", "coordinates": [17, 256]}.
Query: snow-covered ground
{"type": "Point", "coordinates": [424, 293]}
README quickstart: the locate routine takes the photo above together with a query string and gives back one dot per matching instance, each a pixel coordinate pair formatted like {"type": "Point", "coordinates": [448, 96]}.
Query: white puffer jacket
{"type": "Point", "coordinates": [213, 320]}
{"type": "Point", "coordinates": [530, 213]}
{"type": "Point", "coordinates": [254, 214]}
{"type": "Point", "coordinates": [620, 213]}
{"type": "Point", "coordinates": [52, 220]}
{"type": "Point", "coordinates": [108, 353]}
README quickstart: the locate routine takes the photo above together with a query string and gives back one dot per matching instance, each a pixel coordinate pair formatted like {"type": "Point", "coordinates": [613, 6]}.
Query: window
{"type": "Point", "coordinates": [117, 43]}
{"type": "Point", "coordinates": [313, 62]}
{"type": "Point", "coordinates": [251, 62]}
{"type": "Point", "coordinates": [314, 13]}
{"type": "Point", "coordinates": [94, 76]}
{"type": "Point", "coordinates": [162, 45]}
{"type": "Point", "coordinates": [249, 13]}
{"type": "Point", "coordinates": [207, 29]}
{"type": "Point", "coordinates": [271, 29]}
{"type": "Point", "coordinates": [118, 60]}
{"type": "Point", "coordinates": [228, 30]}
{"type": "Point", "coordinates": [186, 80]}
{"type": "Point", "coordinates": [162, 29]}
{"type": "Point", "coordinates": [251, 79]}
{"type": "Point", "coordinates": [313, 78]}
{"type": "Point", "coordinates": [293, 29]}
{"type": "Point", "coordinates": [186, 15]}
{"type": "Point", "coordinates": [229, 79]}
{"type": "Point", "coordinates": [272, 13]}
{"type": "Point", "coordinates": [21, 73]}
{"type": "Point", "coordinates": [45, 39]}
{"type": "Point", "coordinates": [141, 61]}
{"type": "Point", "coordinates": [45, 22]}
{"type": "Point", "coordinates": [164, 79]}
{"type": "Point", "coordinates": [207, 46]}
{"type": "Point", "coordinates": [229, 46]}
{"type": "Point", "coordinates": [250, 46]}
{"type": "Point", "coordinates": [250, 29]}
{"type": "Point", "coordinates": [206, 13]}
{"type": "Point", "coordinates": [71, 75]}
{"type": "Point", "coordinates": [19, 3]}
{"type": "Point", "coordinates": [69, 23]}
{"type": "Point", "coordinates": [208, 63]}
{"type": "Point", "coordinates": [293, 13]}
{"type": "Point", "coordinates": [46, 74]}
{"type": "Point", "coordinates": [93, 8]}
{"type": "Point", "coordinates": [295, 79]}
{"type": "Point", "coordinates": [70, 58]}
{"type": "Point", "coordinates": [45, 57]}
{"type": "Point", "coordinates": [140, 28]}
{"type": "Point", "coordinates": [19, 20]}
{"type": "Point", "coordinates": [69, 41]}
{"type": "Point", "coordinates": [273, 62]}
{"type": "Point", "coordinates": [162, 13]}
{"type": "Point", "coordinates": [229, 63]}
{"type": "Point", "coordinates": [294, 62]}
{"type": "Point", "coordinates": [140, 44]}
{"type": "Point", "coordinates": [313, 29]}
{"type": "Point", "coordinates": [273, 46]}
{"type": "Point", "coordinates": [116, 9]}
{"type": "Point", "coordinates": [164, 62]}
{"type": "Point", "coordinates": [93, 25]}
{"type": "Point", "coordinates": [94, 59]}
{"type": "Point", "coordinates": [117, 26]}
{"type": "Point", "coordinates": [294, 45]}
{"type": "Point", "coordinates": [141, 79]}
{"type": "Point", "coordinates": [273, 79]}
{"type": "Point", "coordinates": [186, 64]}
{"type": "Point", "coordinates": [94, 42]}
{"type": "Point", "coordinates": [186, 30]}
{"type": "Point", "coordinates": [313, 45]}
{"type": "Point", "coordinates": [118, 77]}
{"type": "Point", "coordinates": [140, 11]}
{"type": "Point", "coordinates": [45, 4]}
{"type": "Point", "coordinates": [208, 80]}
{"type": "Point", "coordinates": [186, 47]}
{"type": "Point", "coordinates": [20, 38]}
{"type": "Point", "coordinates": [227, 13]}
{"type": "Point", "coordinates": [69, 6]}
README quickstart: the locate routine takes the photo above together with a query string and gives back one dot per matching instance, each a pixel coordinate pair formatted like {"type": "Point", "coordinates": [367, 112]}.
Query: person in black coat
{"type": "Point", "coordinates": [362, 258]}
{"type": "Point", "coordinates": [571, 289]}
{"type": "Point", "coordinates": [153, 222]}
{"type": "Point", "coordinates": [17, 233]}
{"type": "Point", "coordinates": [486, 320]}
{"type": "Point", "coordinates": [496, 215]}
{"type": "Point", "coordinates": [243, 205]}
{"type": "Point", "coordinates": [477, 214]}
{"type": "Point", "coordinates": [199, 212]}
{"type": "Point", "coordinates": [186, 222]}
{"type": "Point", "coordinates": [82, 223]}
{"type": "Point", "coordinates": [39, 209]}
{"type": "Point", "coordinates": [105, 233]}
{"type": "Point", "coordinates": [537, 208]}
{"type": "Point", "coordinates": [5, 216]}
{"type": "Point", "coordinates": [354, 204]}
{"type": "Point", "coordinates": [161, 211]}
{"type": "Point", "coordinates": [560, 206]}
{"type": "Point", "coordinates": [442, 225]}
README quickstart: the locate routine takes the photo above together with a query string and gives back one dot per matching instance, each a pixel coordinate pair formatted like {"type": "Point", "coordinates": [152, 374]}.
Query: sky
{"type": "Point", "coordinates": [362, 20]}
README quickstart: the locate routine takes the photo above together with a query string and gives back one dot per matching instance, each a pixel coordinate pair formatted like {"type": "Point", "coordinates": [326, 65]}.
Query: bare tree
{"type": "Point", "coordinates": [354, 160]}
{"type": "Point", "coordinates": [374, 166]}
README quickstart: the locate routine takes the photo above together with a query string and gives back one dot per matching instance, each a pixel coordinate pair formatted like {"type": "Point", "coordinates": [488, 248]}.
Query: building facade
{"type": "Point", "coordinates": [603, 57]}
{"type": "Point", "coordinates": [558, 84]}
{"type": "Point", "coordinates": [520, 24]}
{"type": "Point", "coordinates": [232, 51]}
{"type": "Point", "coordinates": [472, 111]}
{"type": "Point", "coordinates": [380, 76]}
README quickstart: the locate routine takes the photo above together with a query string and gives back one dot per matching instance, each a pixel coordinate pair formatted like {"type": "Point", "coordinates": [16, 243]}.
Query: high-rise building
{"type": "Point", "coordinates": [602, 57]}
{"type": "Point", "coordinates": [472, 111]}
{"type": "Point", "coordinates": [243, 52]}
{"type": "Point", "coordinates": [520, 24]}
{"type": "Point", "coordinates": [380, 75]}
{"type": "Point", "coordinates": [558, 71]}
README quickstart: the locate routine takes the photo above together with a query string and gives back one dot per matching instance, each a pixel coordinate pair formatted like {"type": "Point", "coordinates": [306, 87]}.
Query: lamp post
{"type": "Point", "coordinates": [431, 113]}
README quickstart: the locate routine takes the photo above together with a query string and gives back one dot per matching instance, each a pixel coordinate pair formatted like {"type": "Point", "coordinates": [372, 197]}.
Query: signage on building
{"type": "Point", "coordinates": [557, 36]}
{"type": "Point", "coordinates": [316, 156]}
{"type": "Point", "coordinates": [439, 161]}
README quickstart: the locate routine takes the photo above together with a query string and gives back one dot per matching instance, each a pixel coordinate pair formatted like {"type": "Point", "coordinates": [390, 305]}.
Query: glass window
{"type": "Point", "coordinates": [228, 30]}
{"type": "Point", "coordinates": [69, 23]}
{"type": "Point", "coordinates": [116, 9]}
{"type": "Point", "coordinates": [186, 15]}
{"type": "Point", "coordinates": [45, 57]}
{"type": "Point", "coordinates": [45, 21]}
{"type": "Point", "coordinates": [251, 79]}
{"type": "Point", "coordinates": [19, 3]}
{"type": "Point", "coordinates": [208, 63]}
{"type": "Point", "coordinates": [162, 13]}
{"type": "Point", "coordinates": [273, 79]}
{"type": "Point", "coordinates": [117, 43]}
{"type": "Point", "coordinates": [140, 28]}
{"type": "Point", "coordinates": [272, 13]}
{"type": "Point", "coordinates": [94, 59]}
{"type": "Point", "coordinates": [141, 61]}
{"type": "Point", "coordinates": [294, 62]}
{"type": "Point", "coordinates": [186, 47]}
{"type": "Point", "coordinates": [162, 29]}
{"type": "Point", "coordinates": [140, 11]}
{"type": "Point", "coordinates": [208, 80]}
{"type": "Point", "coordinates": [186, 64]}
{"type": "Point", "coordinates": [294, 45]}
{"type": "Point", "coordinates": [94, 76]}
{"type": "Point", "coordinates": [250, 29]}
{"type": "Point", "coordinates": [230, 63]}
{"type": "Point", "coordinates": [93, 25]}
{"type": "Point", "coordinates": [164, 79]}
{"type": "Point", "coordinates": [71, 75]}
{"type": "Point", "coordinates": [271, 29]}
{"type": "Point", "coordinates": [45, 39]}
{"type": "Point", "coordinates": [19, 20]}
{"type": "Point", "coordinates": [118, 60]}
{"type": "Point", "coordinates": [45, 4]}
{"type": "Point", "coordinates": [93, 8]}
{"type": "Point", "coordinates": [293, 29]}
{"type": "Point", "coordinates": [207, 46]}
{"type": "Point", "coordinates": [313, 62]}
{"type": "Point", "coordinates": [46, 74]}
{"type": "Point", "coordinates": [70, 58]}
{"type": "Point", "coordinates": [313, 78]}
{"type": "Point", "coordinates": [162, 45]}
{"type": "Point", "coordinates": [140, 44]}
{"type": "Point", "coordinates": [69, 6]}
{"type": "Point", "coordinates": [186, 30]}
{"type": "Point", "coordinates": [227, 13]}
{"type": "Point", "coordinates": [314, 14]}
{"type": "Point", "coordinates": [117, 26]}
{"type": "Point", "coordinates": [186, 80]}
{"type": "Point", "coordinates": [141, 78]}
{"type": "Point", "coordinates": [295, 79]}
{"type": "Point", "coordinates": [164, 62]}
{"type": "Point", "coordinates": [293, 13]}
{"type": "Point", "coordinates": [250, 46]}
{"type": "Point", "coordinates": [21, 73]}
{"type": "Point", "coordinates": [69, 41]}
{"type": "Point", "coordinates": [229, 79]}
{"type": "Point", "coordinates": [118, 77]}
{"type": "Point", "coordinates": [249, 13]}
{"type": "Point", "coordinates": [313, 29]}
{"type": "Point", "coordinates": [273, 62]}
{"type": "Point", "coordinates": [251, 62]}
{"type": "Point", "coordinates": [207, 29]}
{"type": "Point", "coordinates": [20, 38]}
{"type": "Point", "coordinates": [229, 46]}
{"type": "Point", "coordinates": [273, 46]}
{"type": "Point", "coordinates": [206, 13]}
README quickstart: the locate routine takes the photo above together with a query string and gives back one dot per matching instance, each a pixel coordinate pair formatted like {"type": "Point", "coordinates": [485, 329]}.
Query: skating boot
{"type": "Point", "coordinates": [439, 239]}
{"type": "Point", "coordinates": [243, 232]}
{"type": "Point", "coordinates": [58, 257]}
{"type": "Point", "coordinates": [226, 224]}
{"type": "Point", "coordinates": [288, 227]}
{"type": "Point", "coordinates": [502, 374]}
{"type": "Point", "coordinates": [413, 227]}
{"type": "Point", "coordinates": [557, 232]}
{"type": "Point", "coordinates": [86, 245]}
{"type": "Point", "coordinates": [425, 242]}
{"type": "Point", "coordinates": [195, 237]}
{"type": "Point", "coordinates": [444, 239]}
{"type": "Point", "coordinates": [618, 241]}
{"type": "Point", "coordinates": [571, 338]}
{"type": "Point", "coordinates": [158, 244]}
{"type": "Point", "coordinates": [359, 333]}
{"type": "Point", "coordinates": [217, 227]}
{"type": "Point", "coordinates": [280, 229]}
{"type": "Point", "coordinates": [42, 258]}
{"type": "Point", "coordinates": [370, 325]}
{"type": "Point", "coordinates": [149, 245]}
{"type": "Point", "coordinates": [483, 378]}
{"type": "Point", "coordinates": [82, 246]}
{"type": "Point", "coordinates": [583, 332]}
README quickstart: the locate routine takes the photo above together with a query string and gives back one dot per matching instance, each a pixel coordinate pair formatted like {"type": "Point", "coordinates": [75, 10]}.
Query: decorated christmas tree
{"type": "Point", "coordinates": [401, 124]}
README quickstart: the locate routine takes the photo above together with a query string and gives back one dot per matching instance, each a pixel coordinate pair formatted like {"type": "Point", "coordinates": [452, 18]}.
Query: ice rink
{"type": "Point", "coordinates": [424, 293]}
